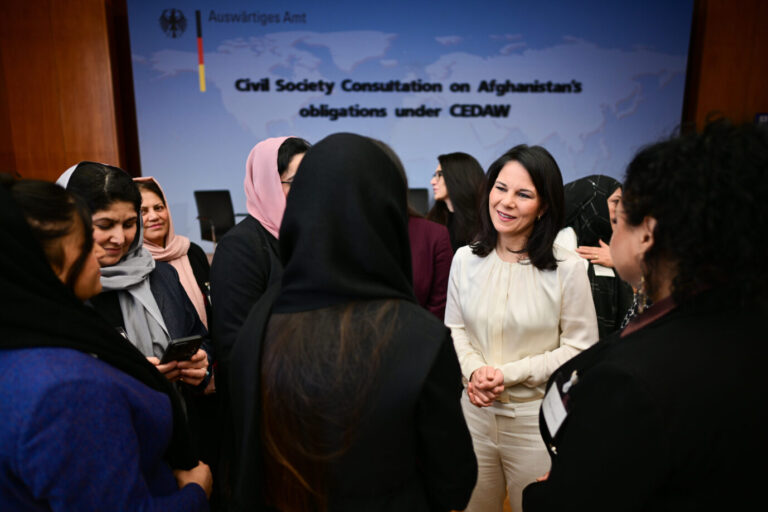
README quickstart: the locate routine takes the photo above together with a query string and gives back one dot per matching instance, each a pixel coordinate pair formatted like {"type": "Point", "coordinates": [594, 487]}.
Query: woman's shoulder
{"type": "Point", "coordinates": [33, 370]}
{"type": "Point", "coordinates": [465, 261]}
{"type": "Point", "coordinates": [245, 242]}
{"type": "Point", "coordinates": [413, 315]}
{"type": "Point", "coordinates": [564, 253]}
{"type": "Point", "coordinates": [164, 272]}
{"type": "Point", "coordinates": [195, 251]}
{"type": "Point", "coordinates": [428, 236]}
{"type": "Point", "coordinates": [166, 285]}
{"type": "Point", "coordinates": [420, 332]}
{"type": "Point", "coordinates": [199, 262]}
{"type": "Point", "coordinates": [423, 225]}
{"type": "Point", "coordinates": [568, 259]}
{"type": "Point", "coordinates": [245, 232]}
{"type": "Point", "coordinates": [566, 239]}
{"type": "Point", "coordinates": [465, 253]}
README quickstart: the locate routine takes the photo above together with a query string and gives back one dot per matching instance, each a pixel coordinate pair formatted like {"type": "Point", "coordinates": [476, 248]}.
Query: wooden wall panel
{"type": "Point", "coordinates": [84, 78]}
{"type": "Point", "coordinates": [32, 93]}
{"type": "Point", "coordinates": [122, 79]}
{"type": "Point", "coordinates": [757, 79]}
{"type": "Point", "coordinates": [58, 86]}
{"type": "Point", "coordinates": [7, 154]}
{"type": "Point", "coordinates": [728, 74]}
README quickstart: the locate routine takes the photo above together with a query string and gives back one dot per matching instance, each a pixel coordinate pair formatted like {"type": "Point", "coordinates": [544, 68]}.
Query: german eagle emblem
{"type": "Point", "coordinates": [173, 23]}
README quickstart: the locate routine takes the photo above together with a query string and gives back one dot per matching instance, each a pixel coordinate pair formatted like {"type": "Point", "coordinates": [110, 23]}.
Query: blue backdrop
{"type": "Point", "coordinates": [592, 81]}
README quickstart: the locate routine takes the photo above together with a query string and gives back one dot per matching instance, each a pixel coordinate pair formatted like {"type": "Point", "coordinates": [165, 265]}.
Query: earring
{"type": "Point", "coordinates": [641, 296]}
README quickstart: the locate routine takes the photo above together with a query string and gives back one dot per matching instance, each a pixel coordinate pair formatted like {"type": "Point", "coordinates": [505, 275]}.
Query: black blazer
{"type": "Point", "coordinates": [671, 417]}
{"type": "Point", "coordinates": [245, 263]}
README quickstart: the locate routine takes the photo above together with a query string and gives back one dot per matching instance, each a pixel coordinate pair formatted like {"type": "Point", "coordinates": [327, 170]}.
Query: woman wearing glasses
{"type": "Point", "coordinates": [247, 258]}
{"type": "Point", "coordinates": [457, 186]}
{"type": "Point", "coordinates": [246, 262]}
{"type": "Point", "coordinates": [348, 391]}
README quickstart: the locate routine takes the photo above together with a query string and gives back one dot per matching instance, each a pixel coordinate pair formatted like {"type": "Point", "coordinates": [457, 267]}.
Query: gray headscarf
{"type": "Point", "coordinates": [144, 324]}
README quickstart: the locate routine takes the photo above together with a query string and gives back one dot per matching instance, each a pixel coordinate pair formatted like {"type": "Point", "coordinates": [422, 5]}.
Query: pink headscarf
{"type": "Point", "coordinates": [175, 253]}
{"type": "Point", "coordinates": [264, 195]}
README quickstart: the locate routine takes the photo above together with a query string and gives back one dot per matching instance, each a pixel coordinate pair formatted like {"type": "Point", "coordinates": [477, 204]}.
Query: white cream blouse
{"type": "Point", "coordinates": [519, 319]}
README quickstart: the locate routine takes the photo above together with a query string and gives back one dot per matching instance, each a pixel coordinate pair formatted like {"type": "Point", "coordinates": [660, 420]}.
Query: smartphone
{"type": "Point", "coordinates": [181, 349]}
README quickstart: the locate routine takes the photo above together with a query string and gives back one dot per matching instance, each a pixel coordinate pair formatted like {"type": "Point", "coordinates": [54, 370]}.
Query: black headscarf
{"type": "Point", "coordinates": [586, 211]}
{"type": "Point", "coordinates": [37, 310]}
{"type": "Point", "coordinates": [586, 208]}
{"type": "Point", "coordinates": [344, 236]}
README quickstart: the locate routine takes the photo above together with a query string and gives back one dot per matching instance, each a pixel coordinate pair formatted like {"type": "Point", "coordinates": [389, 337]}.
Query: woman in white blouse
{"type": "Point", "coordinates": [518, 307]}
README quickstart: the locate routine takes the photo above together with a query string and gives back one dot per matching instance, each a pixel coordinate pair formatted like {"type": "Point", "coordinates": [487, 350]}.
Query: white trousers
{"type": "Point", "coordinates": [510, 453]}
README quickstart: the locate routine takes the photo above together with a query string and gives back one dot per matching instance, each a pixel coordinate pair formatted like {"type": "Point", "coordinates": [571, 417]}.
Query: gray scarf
{"type": "Point", "coordinates": [144, 324]}
{"type": "Point", "coordinates": [143, 320]}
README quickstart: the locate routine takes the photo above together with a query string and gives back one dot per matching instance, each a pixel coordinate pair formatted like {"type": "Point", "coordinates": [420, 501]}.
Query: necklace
{"type": "Point", "coordinates": [516, 256]}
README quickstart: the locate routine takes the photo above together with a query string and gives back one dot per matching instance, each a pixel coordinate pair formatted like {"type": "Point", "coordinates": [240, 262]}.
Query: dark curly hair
{"type": "Point", "coordinates": [548, 180]}
{"type": "Point", "coordinates": [707, 192]}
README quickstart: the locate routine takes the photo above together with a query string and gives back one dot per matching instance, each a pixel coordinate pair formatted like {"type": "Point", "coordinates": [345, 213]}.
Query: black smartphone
{"type": "Point", "coordinates": [181, 349]}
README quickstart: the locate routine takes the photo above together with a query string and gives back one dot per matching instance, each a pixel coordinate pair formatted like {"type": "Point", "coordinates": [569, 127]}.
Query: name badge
{"type": "Point", "coordinates": [555, 404]}
{"type": "Point", "coordinates": [601, 271]}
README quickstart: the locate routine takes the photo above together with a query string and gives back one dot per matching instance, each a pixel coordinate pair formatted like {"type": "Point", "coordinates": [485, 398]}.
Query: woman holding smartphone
{"type": "Point", "coordinates": [142, 299]}
{"type": "Point", "coordinates": [88, 424]}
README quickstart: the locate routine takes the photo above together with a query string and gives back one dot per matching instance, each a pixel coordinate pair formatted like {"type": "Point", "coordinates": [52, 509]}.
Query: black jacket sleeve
{"type": "Point", "coordinates": [242, 269]}
{"type": "Point", "coordinates": [446, 460]}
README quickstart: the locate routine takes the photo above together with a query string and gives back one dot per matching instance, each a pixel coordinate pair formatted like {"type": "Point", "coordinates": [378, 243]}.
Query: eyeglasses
{"type": "Point", "coordinates": [438, 175]}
